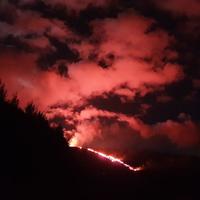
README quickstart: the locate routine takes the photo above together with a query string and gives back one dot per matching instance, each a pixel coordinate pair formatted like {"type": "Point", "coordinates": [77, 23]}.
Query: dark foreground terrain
{"type": "Point", "coordinates": [36, 163]}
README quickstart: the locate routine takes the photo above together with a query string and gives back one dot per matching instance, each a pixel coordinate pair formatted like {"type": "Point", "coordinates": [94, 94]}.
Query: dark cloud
{"type": "Point", "coordinates": [7, 13]}
{"type": "Point", "coordinates": [79, 23]}
{"type": "Point", "coordinates": [107, 61]}
{"type": "Point", "coordinates": [15, 43]}
{"type": "Point", "coordinates": [161, 105]}
{"type": "Point", "coordinates": [63, 70]}
{"type": "Point", "coordinates": [60, 51]}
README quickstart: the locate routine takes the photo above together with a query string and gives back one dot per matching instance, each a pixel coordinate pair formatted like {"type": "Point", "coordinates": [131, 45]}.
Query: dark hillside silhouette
{"type": "Point", "coordinates": [29, 147]}
{"type": "Point", "coordinates": [37, 163]}
{"type": "Point", "coordinates": [36, 159]}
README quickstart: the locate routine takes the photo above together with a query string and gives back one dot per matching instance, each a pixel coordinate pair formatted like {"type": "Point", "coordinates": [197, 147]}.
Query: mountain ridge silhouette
{"type": "Point", "coordinates": [37, 163]}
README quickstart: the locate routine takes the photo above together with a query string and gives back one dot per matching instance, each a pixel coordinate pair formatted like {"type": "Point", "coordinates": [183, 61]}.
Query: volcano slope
{"type": "Point", "coordinates": [37, 163]}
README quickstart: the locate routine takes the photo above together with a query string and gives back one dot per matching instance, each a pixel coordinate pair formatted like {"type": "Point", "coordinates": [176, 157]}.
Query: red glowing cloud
{"type": "Point", "coordinates": [128, 68]}
{"type": "Point", "coordinates": [22, 77]}
{"type": "Point", "coordinates": [183, 134]}
{"type": "Point", "coordinates": [126, 56]}
{"type": "Point", "coordinates": [127, 37]}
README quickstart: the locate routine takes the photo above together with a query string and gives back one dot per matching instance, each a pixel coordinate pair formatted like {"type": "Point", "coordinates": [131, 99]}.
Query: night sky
{"type": "Point", "coordinates": [118, 76]}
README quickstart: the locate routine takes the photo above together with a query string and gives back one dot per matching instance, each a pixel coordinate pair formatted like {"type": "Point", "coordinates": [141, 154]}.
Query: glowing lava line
{"type": "Point", "coordinates": [114, 159]}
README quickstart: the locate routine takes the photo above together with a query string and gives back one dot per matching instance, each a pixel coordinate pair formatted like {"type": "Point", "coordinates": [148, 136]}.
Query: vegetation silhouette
{"type": "Point", "coordinates": [37, 163]}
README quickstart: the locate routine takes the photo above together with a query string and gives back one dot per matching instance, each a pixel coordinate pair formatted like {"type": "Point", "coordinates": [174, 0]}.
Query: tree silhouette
{"type": "Point", "coordinates": [2, 92]}
{"type": "Point", "coordinates": [14, 101]}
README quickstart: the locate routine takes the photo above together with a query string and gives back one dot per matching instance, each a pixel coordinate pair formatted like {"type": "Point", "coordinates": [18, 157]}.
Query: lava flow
{"type": "Point", "coordinates": [112, 159]}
